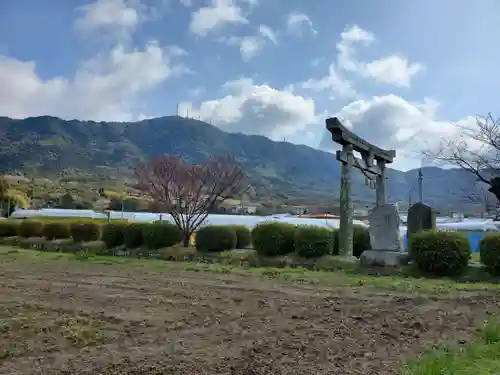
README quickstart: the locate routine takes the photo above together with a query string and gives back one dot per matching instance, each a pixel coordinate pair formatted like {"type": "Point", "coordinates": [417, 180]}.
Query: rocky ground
{"type": "Point", "coordinates": [77, 317]}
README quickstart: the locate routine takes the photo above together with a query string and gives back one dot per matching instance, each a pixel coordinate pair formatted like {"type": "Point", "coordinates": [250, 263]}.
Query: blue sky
{"type": "Point", "coordinates": [400, 73]}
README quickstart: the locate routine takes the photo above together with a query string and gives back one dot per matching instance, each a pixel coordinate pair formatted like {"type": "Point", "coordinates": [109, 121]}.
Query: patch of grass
{"type": "Point", "coordinates": [481, 357]}
{"type": "Point", "coordinates": [475, 257]}
{"type": "Point", "coordinates": [79, 330]}
{"type": "Point", "coordinates": [340, 278]}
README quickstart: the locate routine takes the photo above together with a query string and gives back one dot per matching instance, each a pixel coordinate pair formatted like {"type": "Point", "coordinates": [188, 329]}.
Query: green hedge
{"type": "Point", "coordinates": [313, 241]}
{"type": "Point", "coordinates": [54, 230]}
{"type": "Point", "coordinates": [158, 235]}
{"type": "Point", "coordinates": [360, 240]}
{"type": "Point", "coordinates": [489, 248]}
{"type": "Point", "coordinates": [113, 234]}
{"type": "Point", "coordinates": [85, 231]}
{"type": "Point", "coordinates": [440, 253]}
{"type": "Point", "coordinates": [243, 236]}
{"type": "Point", "coordinates": [216, 238]}
{"type": "Point", "coordinates": [9, 228]}
{"type": "Point", "coordinates": [271, 239]}
{"type": "Point", "coordinates": [132, 235]}
{"type": "Point", "coordinates": [30, 228]}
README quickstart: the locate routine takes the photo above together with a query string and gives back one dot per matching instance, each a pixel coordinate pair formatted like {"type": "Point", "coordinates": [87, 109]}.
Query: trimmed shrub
{"type": "Point", "coordinates": [55, 230]}
{"type": "Point", "coordinates": [113, 234]}
{"type": "Point", "coordinates": [360, 239]}
{"type": "Point", "coordinates": [132, 235]}
{"type": "Point", "coordinates": [243, 236]}
{"type": "Point", "coordinates": [215, 238]}
{"type": "Point", "coordinates": [271, 239]}
{"type": "Point", "coordinates": [335, 236]}
{"type": "Point", "coordinates": [489, 248]}
{"type": "Point", "coordinates": [158, 235]}
{"type": "Point", "coordinates": [440, 253]}
{"type": "Point", "coordinates": [30, 228]}
{"type": "Point", "coordinates": [9, 228]}
{"type": "Point", "coordinates": [312, 241]}
{"type": "Point", "coordinates": [85, 231]}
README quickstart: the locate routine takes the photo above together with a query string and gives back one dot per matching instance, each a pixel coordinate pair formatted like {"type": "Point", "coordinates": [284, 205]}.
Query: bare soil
{"type": "Point", "coordinates": [76, 317]}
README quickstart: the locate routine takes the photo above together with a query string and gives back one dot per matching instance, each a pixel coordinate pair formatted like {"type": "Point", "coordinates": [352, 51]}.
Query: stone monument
{"type": "Point", "coordinates": [384, 238]}
{"type": "Point", "coordinates": [372, 164]}
{"type": "Point", "coordinates": [420, 217]}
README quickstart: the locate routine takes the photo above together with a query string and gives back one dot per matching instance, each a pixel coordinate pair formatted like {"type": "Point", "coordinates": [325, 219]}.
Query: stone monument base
{"type": "Point", "coordinates": [383, 258]}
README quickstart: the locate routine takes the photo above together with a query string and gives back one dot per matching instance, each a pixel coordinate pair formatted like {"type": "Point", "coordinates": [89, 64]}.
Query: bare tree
{"type": "Point", "coordinates": [186, 191]}
{"type": "Point", "coordinates": [476, 150]}
{"type": "Point", "coordinates": [479, 195]}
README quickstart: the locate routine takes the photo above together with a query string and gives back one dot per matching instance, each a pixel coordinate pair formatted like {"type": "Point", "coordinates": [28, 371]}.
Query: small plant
{"type": "Point", "coordinates": [95, 247]}
{"type": "Point", "coordinates": [313, 241]}
{"type": "Point", "coordinates": [60, 245]}
{"type": "Point", "coordinates": [132, 235]}
{"type": "Point", "coordinates": [177, 253]}
{"type": "Point", "coordinates": [9, 228]}
{"type": "Point", "coordinates": [489, 248]}
{"type": "Point", "coordinates": [30, 228]}
{"type": "Point", "coordinates": [85, 231]}
{"type": "Point", "coordinates": [360, 239]}
{"type": "Point", "coordinates": [243, 236]}
{"type": "Point", "coordinates": [271, 239]}
{"type": "Point", "coordinates": [216, 238]}
{"type": "Point", "coordinates": [158, 235]}
{"type": "Point", "coordinates": [10, 241]}
{"type": "Point", "coordinates": [56, 230]}
{"type": "Point", "coordinates": [440, 253]}
{"type": "Point", "coordinates": [248, 258]}
{"type": "Point", "coordinates": [113, 234]}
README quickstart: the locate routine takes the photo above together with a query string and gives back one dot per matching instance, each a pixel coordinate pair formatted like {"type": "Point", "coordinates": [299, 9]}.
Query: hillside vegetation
{"type": "Point", "coordinates": [50, 146]}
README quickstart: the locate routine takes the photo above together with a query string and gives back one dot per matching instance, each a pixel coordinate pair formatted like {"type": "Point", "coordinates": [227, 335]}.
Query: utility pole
{"type": "Point", "coordinates": [420, 185]}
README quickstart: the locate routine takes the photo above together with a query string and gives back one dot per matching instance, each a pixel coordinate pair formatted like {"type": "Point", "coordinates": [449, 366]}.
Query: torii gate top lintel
{"type": "Point", "coordinates": [343, 136]}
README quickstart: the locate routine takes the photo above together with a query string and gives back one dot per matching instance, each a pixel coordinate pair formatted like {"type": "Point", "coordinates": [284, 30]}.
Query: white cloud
{"type": "Point", "coordinates": [214, 16]}
{"type": "Point", "coordinates": [298, 22]}
{"type": "Point", "coordinates": [121, 14]}
{"type": "Point", "coordinates": [106, 87]}
{"type": "Point", "coordinates": [332, 81]}
{"type": "Point", "coordinates": [268, 33]}
{"type": "Point", "coordinates": [393, 70]}
{"type": "Point", "coordinates": [257, 109]}
{"type": "Point", "coordinates": [187, 3]}
{"type": "Point", "coordinates": [346, 58]}
{"type": "Point", "coordinates": [251, 46]}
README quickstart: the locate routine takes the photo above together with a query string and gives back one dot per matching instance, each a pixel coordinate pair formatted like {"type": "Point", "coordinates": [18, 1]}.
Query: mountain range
{"type": "Point", "coordinates": [49, 145]}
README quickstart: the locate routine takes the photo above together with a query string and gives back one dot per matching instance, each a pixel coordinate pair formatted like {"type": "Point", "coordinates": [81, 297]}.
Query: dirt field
{"type": "Point", "coordinates": [76, 317]}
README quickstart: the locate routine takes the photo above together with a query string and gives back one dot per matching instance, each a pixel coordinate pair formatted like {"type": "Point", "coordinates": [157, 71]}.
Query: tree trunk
{"type": "Point", "coordinates": [185, 239]}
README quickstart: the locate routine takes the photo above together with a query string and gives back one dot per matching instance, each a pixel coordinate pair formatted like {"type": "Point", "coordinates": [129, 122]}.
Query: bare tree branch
{"type": "Point", "coordinates": [479, 195]}
{"type": "Point", "coordinates": [476, 150]}
{"type": "Point", "coordinates": [188, 192]}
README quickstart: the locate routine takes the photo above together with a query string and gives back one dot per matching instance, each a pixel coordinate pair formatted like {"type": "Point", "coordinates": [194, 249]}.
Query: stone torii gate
{"type": "Point", "coordinates": [372, 163]}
